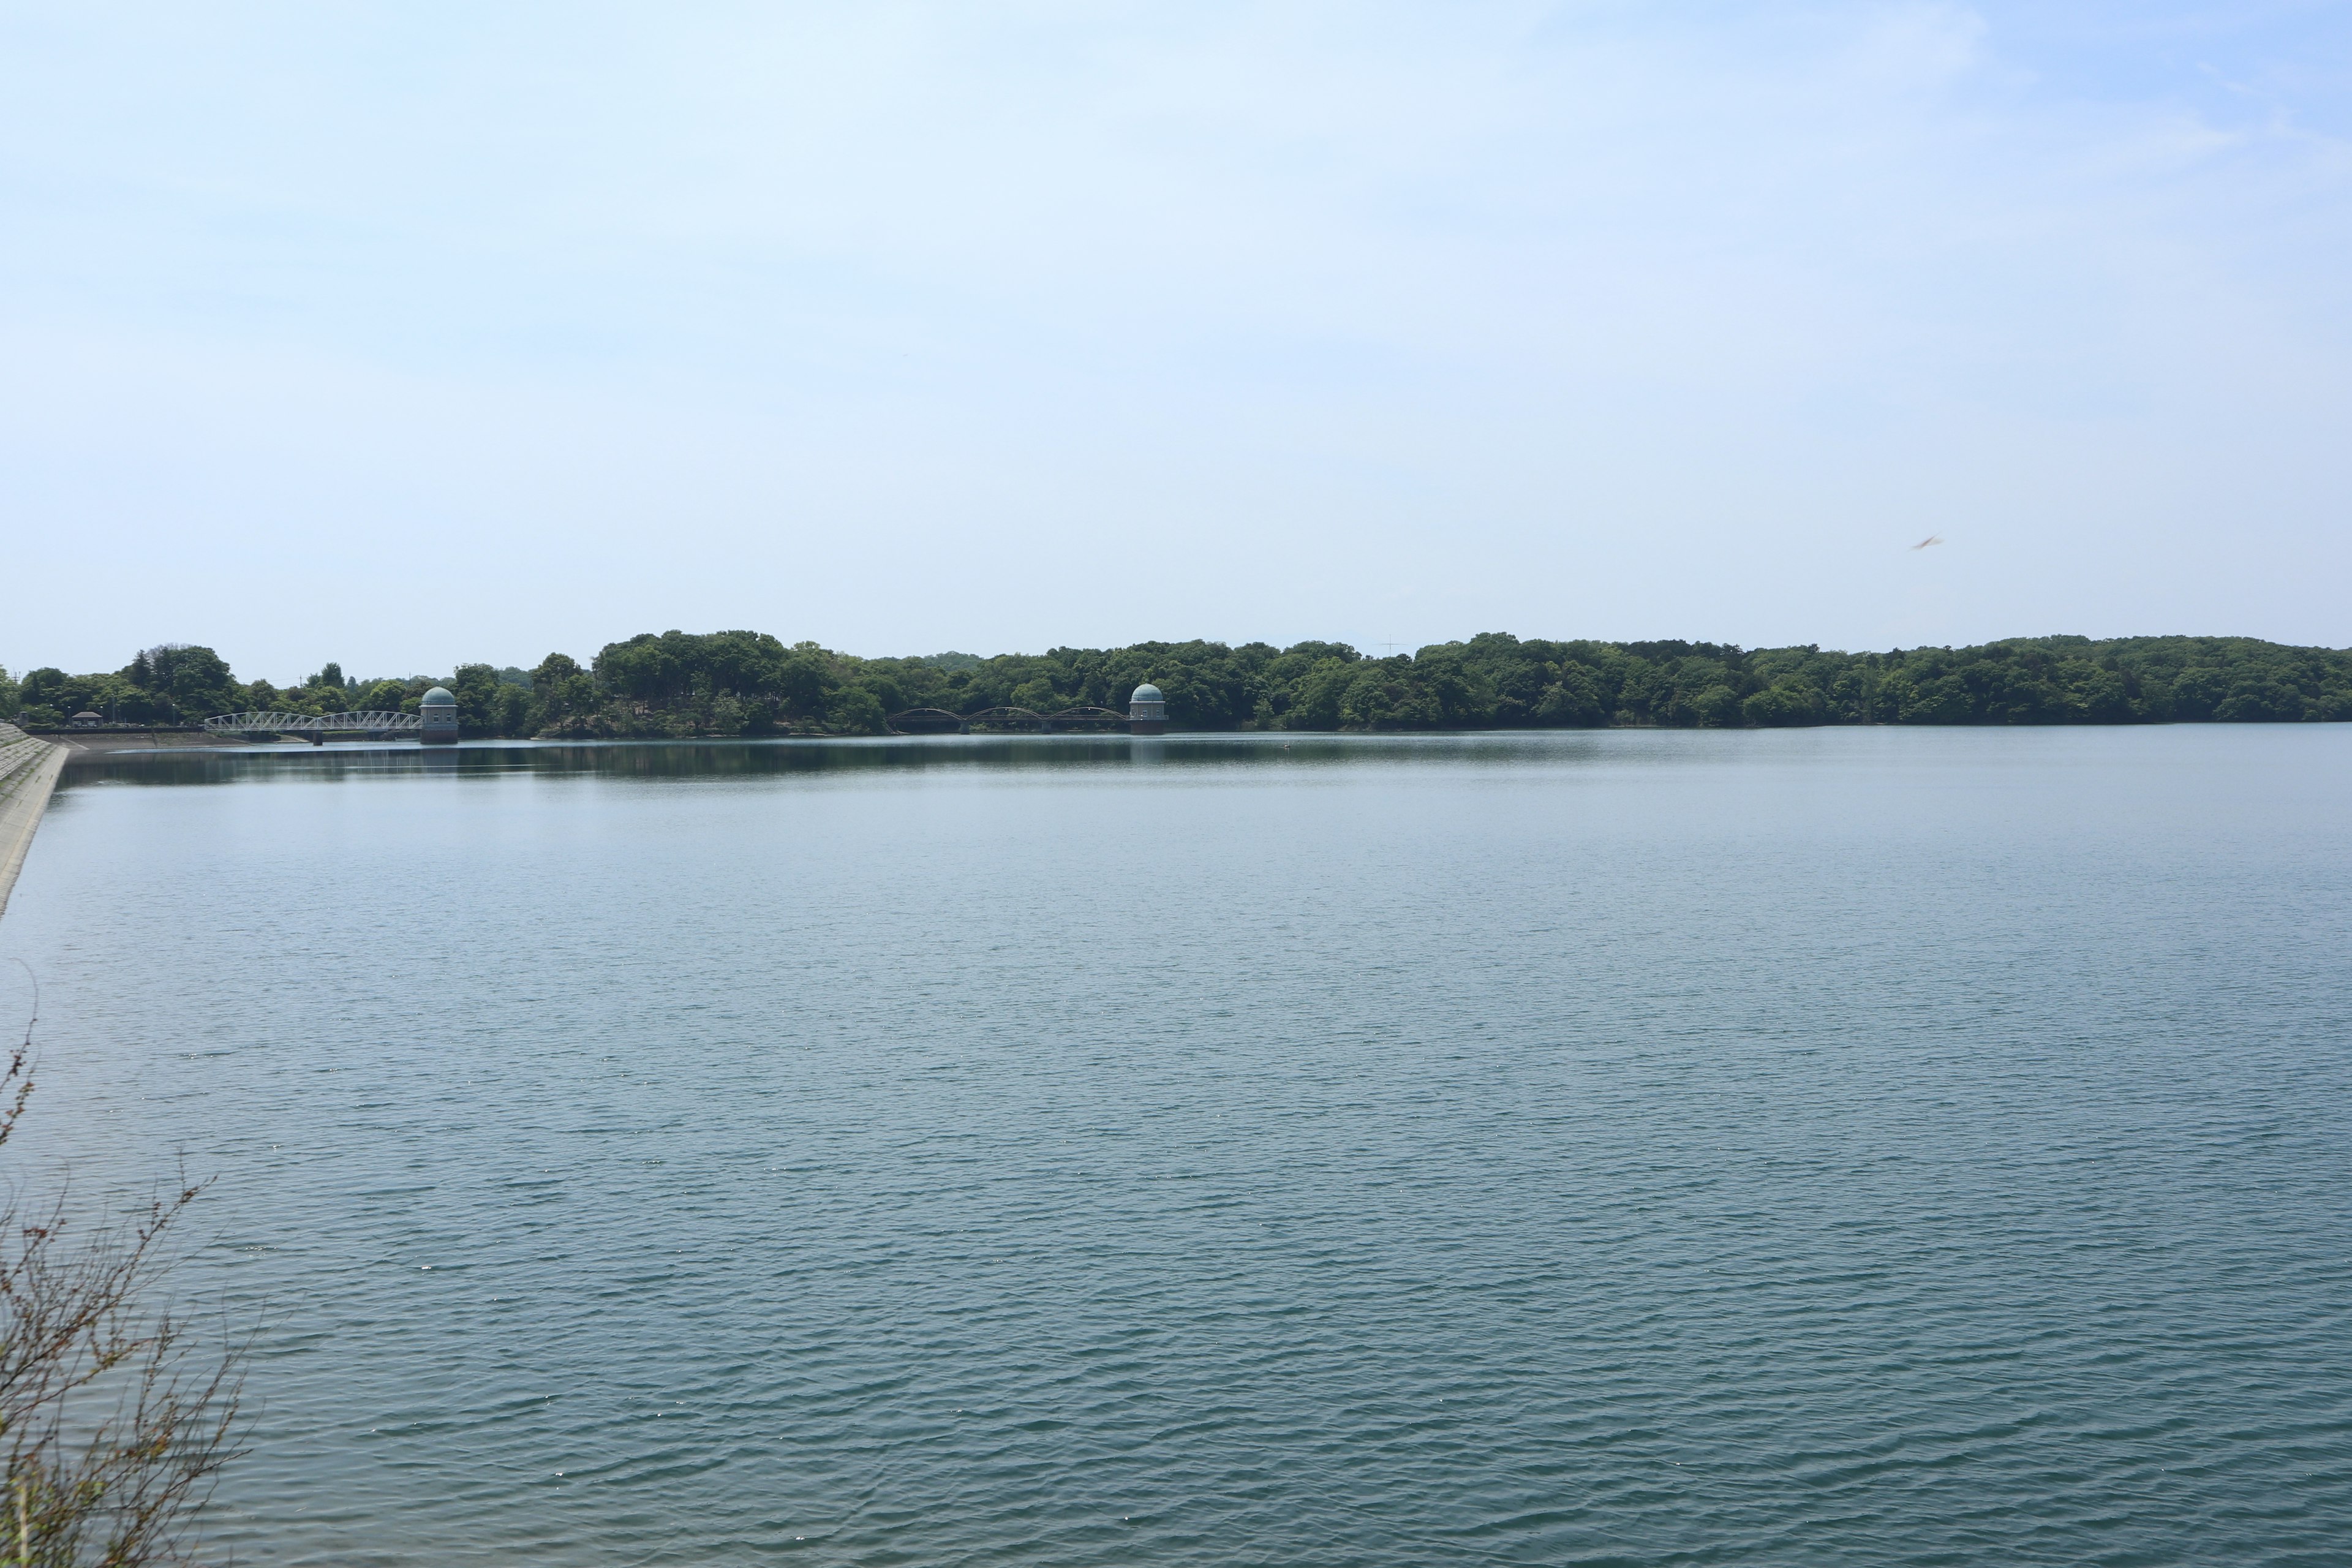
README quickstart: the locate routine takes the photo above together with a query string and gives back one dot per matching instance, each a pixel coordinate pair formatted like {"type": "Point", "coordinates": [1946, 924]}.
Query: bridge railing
{"type": "Point", "coordinates": [372, 721]}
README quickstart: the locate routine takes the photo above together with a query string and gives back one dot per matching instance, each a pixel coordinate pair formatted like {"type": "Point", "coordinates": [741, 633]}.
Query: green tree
{"type": "Point", "coordinates": [564, 694]}
{"type": "Point", "coordinates": [1787, 703]}
{"type": "Point", "coordinates": [853, 711]}
{"type": "Point", "coordinates": [1573, 698]}
{"type": "Point", "coordinates": [381, 696]}
{"type": "Point", "coordinates": [488, 706]}
{"type": "Point", "coordinates": [1716, 706]}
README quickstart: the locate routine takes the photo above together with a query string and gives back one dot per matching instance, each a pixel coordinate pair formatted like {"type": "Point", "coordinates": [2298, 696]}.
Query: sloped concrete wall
{"type": "Point", "coordinates": [28, 771]}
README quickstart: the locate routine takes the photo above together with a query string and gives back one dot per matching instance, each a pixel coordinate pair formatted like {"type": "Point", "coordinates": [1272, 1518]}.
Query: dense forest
{"type": "Point", "coordinates": [750, 683]}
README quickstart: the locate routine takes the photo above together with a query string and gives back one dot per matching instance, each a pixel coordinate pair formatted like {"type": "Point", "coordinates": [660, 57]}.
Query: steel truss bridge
{"type": "Point", "coordinates": [316, 728]}
{"type": "Point", "coordinates": [999, 721]}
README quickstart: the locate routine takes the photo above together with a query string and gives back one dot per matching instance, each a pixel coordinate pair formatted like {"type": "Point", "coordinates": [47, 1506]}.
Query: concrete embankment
{"type": "Point", "coordinates": [28, 771]}
{"type": "Point", "coordinates": [128, 739]}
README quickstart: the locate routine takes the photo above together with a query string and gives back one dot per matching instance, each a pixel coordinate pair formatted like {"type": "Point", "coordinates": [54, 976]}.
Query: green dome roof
{"type": "Point", "coordinates": [438, 695]}
{"type": "Point", "coordinates": [1146, 693]}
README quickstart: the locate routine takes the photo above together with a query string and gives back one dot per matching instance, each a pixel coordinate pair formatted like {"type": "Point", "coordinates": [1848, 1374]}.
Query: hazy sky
{"type": "Point", "coordinates": [403, 335]}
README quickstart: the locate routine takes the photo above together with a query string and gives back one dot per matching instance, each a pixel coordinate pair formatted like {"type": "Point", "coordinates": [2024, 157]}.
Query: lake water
{"type": "Point", "coordinates": [1870, 1147]}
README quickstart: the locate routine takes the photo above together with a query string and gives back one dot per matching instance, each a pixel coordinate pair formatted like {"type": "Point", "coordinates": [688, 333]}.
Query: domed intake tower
{"type": "Point", "coordinates": [438, 709]}
{"type": "Point", "coordinates": [1147, 711]}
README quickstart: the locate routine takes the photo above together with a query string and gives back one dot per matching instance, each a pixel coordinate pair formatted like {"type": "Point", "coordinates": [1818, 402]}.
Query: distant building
{"type": "Point", "coordinates": [1147, 711]}
{"type": "Point", "coordinates": [87, 717]}
{"type": "Point", "coordinates": [438, 710]}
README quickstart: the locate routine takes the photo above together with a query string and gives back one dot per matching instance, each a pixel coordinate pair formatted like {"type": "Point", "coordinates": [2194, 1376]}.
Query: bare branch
{"type": "Point", "coordinates": [115, 1421]}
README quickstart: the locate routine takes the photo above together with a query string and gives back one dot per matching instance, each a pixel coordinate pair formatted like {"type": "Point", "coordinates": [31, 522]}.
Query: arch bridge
{"type": "Point", "coordinates": [316, 728]}
{"type": "Point", "coordinates": [1004, 721]}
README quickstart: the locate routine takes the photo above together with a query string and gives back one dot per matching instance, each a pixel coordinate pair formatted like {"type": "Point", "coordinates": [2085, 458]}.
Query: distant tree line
{"type": "Point", "coordinates": [750, 683]}
{"type": "Point", "coordinates": [179, 683]}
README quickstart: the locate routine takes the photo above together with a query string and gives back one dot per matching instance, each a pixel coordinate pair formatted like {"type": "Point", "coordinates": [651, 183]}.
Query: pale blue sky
{"type": "Point", "coordinates": [403, 336]}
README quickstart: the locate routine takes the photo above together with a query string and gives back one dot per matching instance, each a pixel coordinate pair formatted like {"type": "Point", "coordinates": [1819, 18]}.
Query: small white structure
{"type": "Point", "coordinates": [1147, 711]}
{"type": "Point", "coordinates": [438, 709]}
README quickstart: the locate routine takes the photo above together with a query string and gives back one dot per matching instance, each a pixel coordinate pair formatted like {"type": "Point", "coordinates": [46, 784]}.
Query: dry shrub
{"type": "Point", "coordinates": [115, 1414]}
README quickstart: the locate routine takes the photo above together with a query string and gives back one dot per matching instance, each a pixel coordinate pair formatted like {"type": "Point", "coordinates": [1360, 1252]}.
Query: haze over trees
{"type": "Point", "coordinates": [751, 683]}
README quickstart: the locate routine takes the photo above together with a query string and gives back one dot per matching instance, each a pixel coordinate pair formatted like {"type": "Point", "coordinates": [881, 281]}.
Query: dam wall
{"type": "Point", "coordinates": [28, 771]}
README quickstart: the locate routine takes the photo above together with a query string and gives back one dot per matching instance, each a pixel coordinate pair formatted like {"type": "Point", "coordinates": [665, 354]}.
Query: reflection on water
{"type": "Point", "coordinates": [737, 759]}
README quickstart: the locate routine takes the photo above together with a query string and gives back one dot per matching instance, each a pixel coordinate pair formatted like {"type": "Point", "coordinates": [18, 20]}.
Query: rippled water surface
{"type": "Point", "coordinates": [1832, 1147]}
